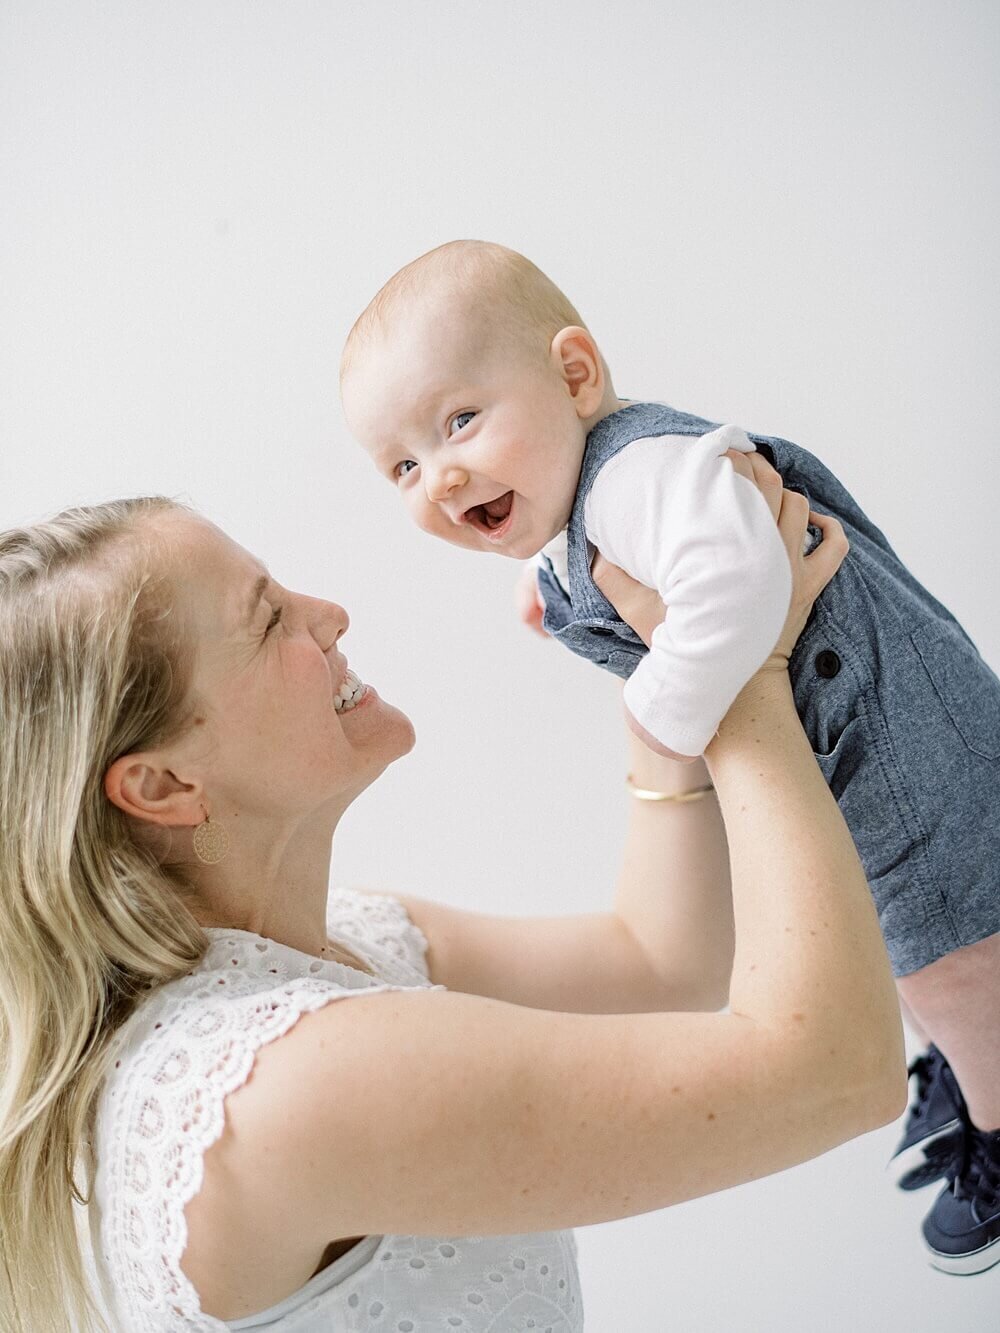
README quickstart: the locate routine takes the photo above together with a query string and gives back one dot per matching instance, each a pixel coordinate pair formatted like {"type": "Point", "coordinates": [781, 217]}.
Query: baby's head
{"type": "Point", "coordinates": [472, 382]}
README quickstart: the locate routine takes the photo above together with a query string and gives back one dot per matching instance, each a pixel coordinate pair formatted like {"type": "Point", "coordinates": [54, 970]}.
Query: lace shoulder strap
{"type": "Point", "coordinates": [368, 920]}
{"type": "Point", "coordinates": [191, 1043]}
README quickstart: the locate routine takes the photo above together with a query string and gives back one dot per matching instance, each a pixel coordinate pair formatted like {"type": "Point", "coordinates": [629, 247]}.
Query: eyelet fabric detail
{"type": "Point", "coordinates": [192, 1042]}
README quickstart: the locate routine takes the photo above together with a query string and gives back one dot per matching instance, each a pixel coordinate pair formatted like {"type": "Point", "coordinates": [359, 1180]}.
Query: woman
{"type": "Point", "coordinates": [177, 753]}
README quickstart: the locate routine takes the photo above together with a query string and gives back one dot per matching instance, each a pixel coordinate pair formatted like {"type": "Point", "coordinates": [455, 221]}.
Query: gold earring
{"type": "Point", "coordinates": [211, 842]}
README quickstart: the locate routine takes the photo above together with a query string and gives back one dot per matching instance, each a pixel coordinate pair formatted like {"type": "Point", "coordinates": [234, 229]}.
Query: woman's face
{"type": "Point", "coordinates": [267, 740]}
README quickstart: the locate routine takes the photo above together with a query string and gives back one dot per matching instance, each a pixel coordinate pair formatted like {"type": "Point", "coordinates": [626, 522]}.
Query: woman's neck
{"type": "Point", "coordinates": [273, 889]}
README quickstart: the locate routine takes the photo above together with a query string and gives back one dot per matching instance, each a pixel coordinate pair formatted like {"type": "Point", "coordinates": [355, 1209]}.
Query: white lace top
{"type": "Point", "coordinates": [191, 1043]}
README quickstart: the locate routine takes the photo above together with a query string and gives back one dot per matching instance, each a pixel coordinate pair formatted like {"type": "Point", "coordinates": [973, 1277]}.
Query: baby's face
{"type": "Point", "coordinates": [482, 442]}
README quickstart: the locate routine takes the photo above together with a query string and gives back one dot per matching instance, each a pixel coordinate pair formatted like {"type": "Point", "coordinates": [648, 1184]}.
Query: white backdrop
{"type": "Point", "coordinates": [781, 214]}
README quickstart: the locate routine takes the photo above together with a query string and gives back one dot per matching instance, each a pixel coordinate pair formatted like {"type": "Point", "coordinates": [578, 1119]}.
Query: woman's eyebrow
{"type": "Point", "coordinates": [258, 592]}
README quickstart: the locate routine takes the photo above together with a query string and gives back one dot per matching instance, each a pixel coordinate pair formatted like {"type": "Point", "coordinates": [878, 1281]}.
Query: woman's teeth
{"type": "Point", "coordinates": [349, 693]}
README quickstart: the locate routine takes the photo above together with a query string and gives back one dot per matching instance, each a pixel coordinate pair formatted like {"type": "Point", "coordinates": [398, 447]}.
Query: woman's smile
{"type": "Point", "coordinates": [350, 694]}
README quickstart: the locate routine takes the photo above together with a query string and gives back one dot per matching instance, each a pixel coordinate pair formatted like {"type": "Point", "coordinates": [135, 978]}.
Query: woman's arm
{"type": "Point", "coordinates": [667, 943]}
{"type": "Point", "coordinates": [673, 891]}
{"type": "Point", "coordinates": [450, 1114]}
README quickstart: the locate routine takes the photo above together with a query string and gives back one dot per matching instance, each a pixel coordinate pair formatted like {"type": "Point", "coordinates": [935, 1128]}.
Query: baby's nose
{"type": "Point", "coordinates": [440, 484]}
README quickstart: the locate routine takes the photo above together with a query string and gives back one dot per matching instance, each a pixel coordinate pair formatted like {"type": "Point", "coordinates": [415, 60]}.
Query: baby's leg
{"type": "Point", "coordinates": [956, 1002]}
{"type": "Point", "coordinates": [910, 1019]}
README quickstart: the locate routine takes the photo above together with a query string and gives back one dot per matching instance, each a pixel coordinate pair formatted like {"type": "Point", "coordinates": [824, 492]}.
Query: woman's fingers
{"type": "Point", "coordinates": [756, 469]}
{"type": "Point", "coordinates": [793, 520]}
{"type": "Point", "coordinates": [768, 481]}
{"type": "Point", "coordinates": [824, 561]}
{"type": "Point", "coordinates": [810, 573]}
{"type": "Point", "coordinates": [637, 605]}
{"type": "Point", "coordinates": [641, 607]}
{"type": "Point", "coordinates": [740, 462]}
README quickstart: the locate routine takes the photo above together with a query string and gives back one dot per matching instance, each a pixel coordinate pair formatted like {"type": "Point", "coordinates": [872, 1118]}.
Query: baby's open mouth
{"type": "Point", "coordinates": [492, 516]}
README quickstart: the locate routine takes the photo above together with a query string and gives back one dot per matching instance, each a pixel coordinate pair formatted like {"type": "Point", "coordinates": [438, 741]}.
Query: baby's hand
{"type": "Point", "coordinates": [528, 600]}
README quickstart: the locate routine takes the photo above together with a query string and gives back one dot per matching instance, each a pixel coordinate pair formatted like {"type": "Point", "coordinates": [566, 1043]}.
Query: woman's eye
{"type": "Point", "coordinates": [274, 621]}
{"type": "Point", "coordinates": [460, 421]}
{"type": "Point", "coordinates": [401, 469]}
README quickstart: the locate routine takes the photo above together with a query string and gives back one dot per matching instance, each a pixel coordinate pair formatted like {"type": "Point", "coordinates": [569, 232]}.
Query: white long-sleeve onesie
{"type": "Point", "coordinates": [675, 515]}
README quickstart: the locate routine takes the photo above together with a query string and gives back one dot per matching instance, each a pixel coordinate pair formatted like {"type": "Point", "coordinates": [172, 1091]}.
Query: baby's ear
{"type": "Point", "coordinates": [577, 361]}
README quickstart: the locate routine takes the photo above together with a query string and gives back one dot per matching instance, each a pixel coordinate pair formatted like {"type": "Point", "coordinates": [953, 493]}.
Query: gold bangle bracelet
{"type": "Point", "coordinates": [681, 797]}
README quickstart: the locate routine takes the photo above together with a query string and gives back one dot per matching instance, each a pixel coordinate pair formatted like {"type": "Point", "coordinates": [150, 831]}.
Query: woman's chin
{"type": "Point", "coordinates": [396, 734]}
{"type": "Point", "coordinates": [408, 737]}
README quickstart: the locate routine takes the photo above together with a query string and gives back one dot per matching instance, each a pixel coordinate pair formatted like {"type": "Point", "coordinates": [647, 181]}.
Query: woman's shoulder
{"type": "Point", "coordinates": [191, 1043]}
{"type": "Point", "coordinates": [245, 991]}
{"type": "Point", "coordinates": [246, 978]}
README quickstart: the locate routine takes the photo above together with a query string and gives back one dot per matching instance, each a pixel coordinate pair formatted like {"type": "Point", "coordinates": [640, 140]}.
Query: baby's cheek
{"type": "Point", "coordinates": [420, 512]}
{"type": "Point", "coordinates": [428, 519]}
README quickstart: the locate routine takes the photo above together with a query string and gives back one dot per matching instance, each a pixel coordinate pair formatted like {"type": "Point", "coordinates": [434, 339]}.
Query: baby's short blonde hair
{"type": "Point", "coordinates": [498, 286]}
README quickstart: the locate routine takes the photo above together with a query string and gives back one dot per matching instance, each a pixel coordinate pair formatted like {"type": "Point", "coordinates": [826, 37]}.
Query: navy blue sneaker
{"type": "Point", "coordinates": [932, 1135]}
{"type": "Point", "coordinates": [962, 1230]}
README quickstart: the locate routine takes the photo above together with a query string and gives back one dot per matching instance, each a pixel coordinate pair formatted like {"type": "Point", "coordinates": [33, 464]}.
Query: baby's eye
{"type": "Point", "coordinates": [459, 421]}
{"type": "Point", "coordinates": [401, 469]}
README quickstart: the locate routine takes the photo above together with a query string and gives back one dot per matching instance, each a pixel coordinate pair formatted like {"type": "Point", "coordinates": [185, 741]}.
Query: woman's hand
{"type": "Point", "coordinates": [810, 573]}
{"type": "Point", "coordinates": [637, 605]}
{"type": "Point", "coordinates": [641, 607]}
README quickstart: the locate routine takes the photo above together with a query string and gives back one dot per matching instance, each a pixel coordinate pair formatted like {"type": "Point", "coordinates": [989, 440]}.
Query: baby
{"type": "Point", "coordinates": [481, 395]}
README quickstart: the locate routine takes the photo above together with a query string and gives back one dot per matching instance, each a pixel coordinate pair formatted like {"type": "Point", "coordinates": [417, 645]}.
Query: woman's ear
{"type": "Point", "coordinates": [577, 361]}
{"type": "Point", "coordinates": [144, 788]}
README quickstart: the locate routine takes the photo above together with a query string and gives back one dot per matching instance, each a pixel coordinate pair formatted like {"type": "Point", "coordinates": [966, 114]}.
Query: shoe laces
{"type": "Point", "coordinates": [925, 1068]}
{"type": "Point", "coordinates": [977, 1177]}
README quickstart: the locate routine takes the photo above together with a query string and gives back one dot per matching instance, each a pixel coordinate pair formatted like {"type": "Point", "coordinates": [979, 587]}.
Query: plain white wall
{"type": "Point", "coordinates": [781, 214]}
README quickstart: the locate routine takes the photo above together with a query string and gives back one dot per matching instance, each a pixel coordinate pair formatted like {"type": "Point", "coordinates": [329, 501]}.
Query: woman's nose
{"type": "Point", "coordinates": [440, 482]}
{"type": "Point", "coordinates": [333, 621]}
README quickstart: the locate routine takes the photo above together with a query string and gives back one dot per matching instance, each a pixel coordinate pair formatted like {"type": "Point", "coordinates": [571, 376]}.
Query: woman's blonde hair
{"type": "Point", "coordinates": [92, 666]}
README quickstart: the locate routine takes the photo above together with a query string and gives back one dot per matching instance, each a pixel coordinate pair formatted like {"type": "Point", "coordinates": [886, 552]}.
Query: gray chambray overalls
{"type": "Point", "coordinates": [901, 711]}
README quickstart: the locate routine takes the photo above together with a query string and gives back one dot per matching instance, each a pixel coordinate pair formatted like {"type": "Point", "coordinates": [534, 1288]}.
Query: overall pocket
{"type": "Point", "coordinates": [837, 700]}
{"type": "Point", "coordinates": [876, 813]}
{"type": "Point", "coordinates": [965, 685]}
{"type": "Point", "coordinates": [844, 756]}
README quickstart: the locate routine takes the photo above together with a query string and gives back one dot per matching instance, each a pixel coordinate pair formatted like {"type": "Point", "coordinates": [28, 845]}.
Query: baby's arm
{"type": "Point", "coordinates": [528, 599]}
{"type": "Point", "coordinates": [680, 519]}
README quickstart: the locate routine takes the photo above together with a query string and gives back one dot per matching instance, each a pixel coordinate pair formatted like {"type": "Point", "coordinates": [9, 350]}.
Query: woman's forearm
{"type": "Point", "coordinates": [673, 890]}
{"type": "Point", "coordinates": [810, 965]}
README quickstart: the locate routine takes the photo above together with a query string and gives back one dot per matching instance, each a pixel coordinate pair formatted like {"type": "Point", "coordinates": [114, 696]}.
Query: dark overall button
{"type": "Point", "coordinates": [827, 664]}
{"type": "Point", "coordinates": [604, 633]}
